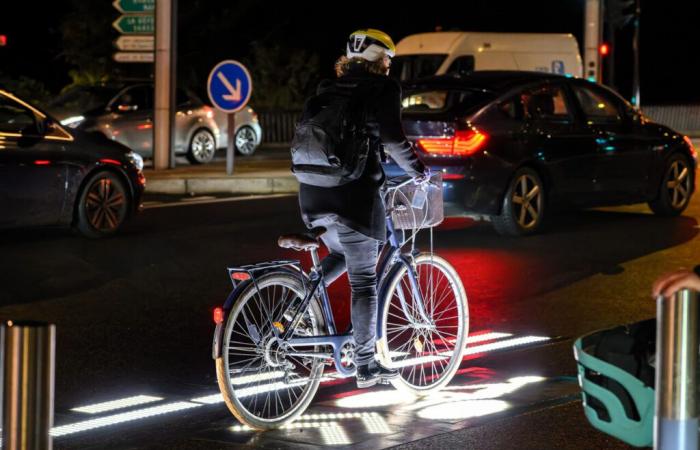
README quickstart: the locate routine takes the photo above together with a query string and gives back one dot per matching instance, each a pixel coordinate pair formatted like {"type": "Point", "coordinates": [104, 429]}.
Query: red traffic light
{"type": "Point", "coordinates": [3, 40]}
{"type": "Point", "coordinates": [604, 49]}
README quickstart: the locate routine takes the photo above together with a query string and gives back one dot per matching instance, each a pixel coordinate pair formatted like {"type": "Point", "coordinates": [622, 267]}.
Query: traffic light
{"type": "Point", "coordinates": [3, 40]}
{"type": "Point", "coordinates": [604, 49]}
{"type": "Point", "coordinates": [620, 12]}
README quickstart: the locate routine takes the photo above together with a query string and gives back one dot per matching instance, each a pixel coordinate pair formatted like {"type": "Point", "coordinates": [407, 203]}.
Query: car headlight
{"type": "Point", "coordinates": [73, 121]}
{"type": "Point", "coordinates": [136, 160]}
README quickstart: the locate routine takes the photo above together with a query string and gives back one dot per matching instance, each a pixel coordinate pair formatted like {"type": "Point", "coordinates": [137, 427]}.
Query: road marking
{"type": "Point", "coordinates": [334, 435]}
{"type": "Point", "coordinates": [121, 418]}
{"type": "Point", "coordinates": [117, 404]}
{"type": "Point", "coordinates": [153, 205]}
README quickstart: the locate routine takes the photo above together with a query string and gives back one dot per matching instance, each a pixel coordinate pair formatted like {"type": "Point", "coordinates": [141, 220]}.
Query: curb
{"type": "Point", "coordinates": [238, 185]}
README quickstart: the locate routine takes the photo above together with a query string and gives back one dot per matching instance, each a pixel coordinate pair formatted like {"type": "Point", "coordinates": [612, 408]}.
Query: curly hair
{"type": "Point", "coordinates": [343, 64]}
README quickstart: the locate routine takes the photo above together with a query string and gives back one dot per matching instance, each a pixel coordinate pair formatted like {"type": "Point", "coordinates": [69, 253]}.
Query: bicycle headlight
{"type": "Point", "coordinates": [136, 159]}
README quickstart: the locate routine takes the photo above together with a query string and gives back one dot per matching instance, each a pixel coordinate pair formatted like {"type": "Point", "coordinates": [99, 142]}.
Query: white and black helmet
{"type": "Point", "coordinates": [370, 44]}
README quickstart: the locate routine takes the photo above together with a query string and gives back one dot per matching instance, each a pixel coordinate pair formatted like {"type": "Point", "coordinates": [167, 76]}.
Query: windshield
{"type": "Point", "coordinates": [444, 100]}
{"type": "Point", "coordinates": [411, 67]}
{"type": "Point", "coordinates": [84, 98]}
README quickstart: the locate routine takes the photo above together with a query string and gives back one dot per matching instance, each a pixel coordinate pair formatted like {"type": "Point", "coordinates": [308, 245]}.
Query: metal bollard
{"type": "Point", "coordinates": [28, 385]}
{"type": "Point", "coordinates": [676, 417]}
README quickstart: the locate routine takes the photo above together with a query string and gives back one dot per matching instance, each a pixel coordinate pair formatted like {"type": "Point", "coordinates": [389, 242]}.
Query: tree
{"type": "Point", "coordinates": [282, 77]}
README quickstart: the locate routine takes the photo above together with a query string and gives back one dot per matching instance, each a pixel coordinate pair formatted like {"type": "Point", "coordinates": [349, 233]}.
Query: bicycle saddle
{"type": "Point", "coordinates": [302, 241]}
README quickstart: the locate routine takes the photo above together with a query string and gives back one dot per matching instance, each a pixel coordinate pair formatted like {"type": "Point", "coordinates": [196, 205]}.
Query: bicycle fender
{"type": "Point", "coordinates": [382, 296]}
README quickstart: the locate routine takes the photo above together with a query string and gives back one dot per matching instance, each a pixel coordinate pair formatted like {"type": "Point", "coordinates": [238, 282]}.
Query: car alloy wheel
{"type": "Point", "coordinates": [105, 205]}
{"type": "Point", "coordinates": [527, 201]}
{"type": "Point", "coordinates": [245, 141]}
{"type": "Point", "coordinates": [202, 147]}
{"type": "Point", "coordinates": [678, 183]}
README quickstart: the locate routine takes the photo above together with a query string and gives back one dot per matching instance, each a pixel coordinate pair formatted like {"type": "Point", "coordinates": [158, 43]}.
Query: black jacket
{"type": "Point", "coordinates": [358, 204]}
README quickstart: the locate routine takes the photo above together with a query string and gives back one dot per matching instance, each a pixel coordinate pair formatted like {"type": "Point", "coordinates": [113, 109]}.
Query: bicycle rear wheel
{"type": "Point", "coordinates": [427, 354]}
{"type": "Point", "coordinates": [263, 387]}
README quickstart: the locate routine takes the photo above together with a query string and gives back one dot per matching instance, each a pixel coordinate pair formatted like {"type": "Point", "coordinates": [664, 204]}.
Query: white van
{"type": "Point", "coordinates": [426, 54]}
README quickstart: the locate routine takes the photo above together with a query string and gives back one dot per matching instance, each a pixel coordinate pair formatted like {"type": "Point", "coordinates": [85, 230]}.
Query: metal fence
{"type": "Point", "coordinates": [278, 125]}
{"type": "Point", "coordinates": [682, 118]}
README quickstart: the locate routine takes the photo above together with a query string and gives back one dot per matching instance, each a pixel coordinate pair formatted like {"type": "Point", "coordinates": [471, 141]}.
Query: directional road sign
{"type": "Point", "coordinates": [135, 43]}
{"type": "Point", "coordinates": [135, 24]}
{"type": "Point", "coordinates": [135, 6]}
{"type": "Point", "coordinates": [229, 86]}
{"type": "Point", "coordinates": [134, 57]}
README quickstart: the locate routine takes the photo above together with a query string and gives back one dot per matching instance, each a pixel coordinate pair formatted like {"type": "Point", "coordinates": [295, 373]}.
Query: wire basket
{"type": "Point", "coordinates": [410, 212]}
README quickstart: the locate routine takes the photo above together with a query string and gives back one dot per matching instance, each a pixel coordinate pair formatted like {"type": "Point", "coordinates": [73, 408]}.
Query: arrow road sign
{"type": "Point", "coordinates": [135, 6]}
{"type": "Point", "coordinates": [135, 43]}
{"type": "Point", "coordinates": [135, 24]}
{"type": "Point", "coordinates": [229, 86]}
{"type": "Point", "coordinates": [134, 57]}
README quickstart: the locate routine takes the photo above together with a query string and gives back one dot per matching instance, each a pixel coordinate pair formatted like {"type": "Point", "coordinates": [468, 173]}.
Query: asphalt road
{"type": "Point", "coordinates": [133, 314]}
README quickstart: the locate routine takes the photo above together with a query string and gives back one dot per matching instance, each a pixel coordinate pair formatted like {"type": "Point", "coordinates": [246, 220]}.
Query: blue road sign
{"type": "Point", "coordinates": [229, 86]}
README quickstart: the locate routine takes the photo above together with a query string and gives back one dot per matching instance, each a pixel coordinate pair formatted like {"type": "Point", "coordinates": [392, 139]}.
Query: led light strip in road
{"type": "Point", "coordinates": [334, 434]}
{"type": "Point", "coordinates": [484, 348]}
{"type": "Point", "coordinates": [117, 404]}
{"type": "Point", "coordinates": [121, 418]}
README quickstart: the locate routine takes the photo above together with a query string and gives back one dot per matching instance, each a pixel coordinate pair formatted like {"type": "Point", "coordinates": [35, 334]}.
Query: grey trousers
{"type": "Point", "coordinates": [358, 253]}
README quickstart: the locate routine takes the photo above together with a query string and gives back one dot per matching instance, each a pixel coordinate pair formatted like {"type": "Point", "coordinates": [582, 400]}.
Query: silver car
{"type": "Point", "coordinates": [125, 114]}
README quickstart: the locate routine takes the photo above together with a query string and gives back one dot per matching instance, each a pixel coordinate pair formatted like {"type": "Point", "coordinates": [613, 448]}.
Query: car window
{"type": "Point", "coordinates": [597, 107]}
{"type": "Point", "coordinates": [181, 97]}
{"type": "Point", "coordinates": [442, 100]}
{"type": "Point", "coordinates": [134, 99]}
{"type": "Point", "coordinates": [15, 117]}
{"type": "Point", "coordinates": [511, 108]}
{"type": "Point", "coordinates": [546, 103]}
{"type": "Point", "coordinates": [411, 67]}
{"type": "Point", "coordinates": [462, 65]}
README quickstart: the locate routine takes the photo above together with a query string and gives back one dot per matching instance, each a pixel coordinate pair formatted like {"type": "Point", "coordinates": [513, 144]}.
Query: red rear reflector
{"type": "Point", "coordinates": [463, 143]}
{"type": "Point", "coordinates": [218, 315]}
{"type": "Point", "coordinates": [42, 162]}
{"type": "Point", "coordinates": [240, 276]}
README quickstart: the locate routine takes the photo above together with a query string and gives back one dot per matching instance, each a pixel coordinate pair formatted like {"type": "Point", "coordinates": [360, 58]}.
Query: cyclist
{"type": "Point", "coordinates": [353, 213]}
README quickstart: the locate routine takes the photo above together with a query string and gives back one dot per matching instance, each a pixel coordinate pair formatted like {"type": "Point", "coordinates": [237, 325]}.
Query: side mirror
{"type": "Point", "coordinates": [127, 108]}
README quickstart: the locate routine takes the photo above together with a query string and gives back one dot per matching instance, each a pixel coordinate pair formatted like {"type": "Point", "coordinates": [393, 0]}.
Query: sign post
{"type": "Point", "coordinates": [229, 87]}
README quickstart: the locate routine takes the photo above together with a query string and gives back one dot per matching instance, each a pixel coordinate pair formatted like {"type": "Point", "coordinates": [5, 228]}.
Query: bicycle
{"type": "Point", "coordinates": [276, 333]}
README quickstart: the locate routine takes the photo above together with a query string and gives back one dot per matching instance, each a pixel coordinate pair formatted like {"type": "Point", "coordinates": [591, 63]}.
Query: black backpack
{"type": "Point", "coordinates": [331, 143]}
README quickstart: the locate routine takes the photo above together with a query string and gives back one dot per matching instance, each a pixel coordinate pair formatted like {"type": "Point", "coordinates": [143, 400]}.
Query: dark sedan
{"type": "Point", "coordinates": [512, 145]}
{"type": "Point", "coordinates": [53, 176]}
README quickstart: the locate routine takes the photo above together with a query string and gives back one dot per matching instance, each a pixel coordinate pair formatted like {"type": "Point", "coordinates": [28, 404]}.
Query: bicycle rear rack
{"type": "Point", "coordinates": [242, 273]}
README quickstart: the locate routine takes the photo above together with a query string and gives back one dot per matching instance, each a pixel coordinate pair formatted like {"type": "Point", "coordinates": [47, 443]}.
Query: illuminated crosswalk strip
{"type": "Point", "coordinates": [332, 432]}
{"type": "Point", "coordinates": [121, 418]}
{"type": "Point", "coordinates": [117, 404]}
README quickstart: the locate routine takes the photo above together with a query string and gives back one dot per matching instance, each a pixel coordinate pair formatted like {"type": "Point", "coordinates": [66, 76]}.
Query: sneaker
{"type": "Point", "coordinates": [370, 374]}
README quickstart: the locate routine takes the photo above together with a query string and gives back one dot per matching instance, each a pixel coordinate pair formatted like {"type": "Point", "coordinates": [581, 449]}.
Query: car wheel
{"type": "Point", "coordinates": [246, 141]}
{"type": "Point", "coordinates": [202, 147]}
{"type": "Point", "coordinates": [676, 187]}
{"type": "Point", "coordinates": [103, 206]}
{"type": "Point", "coordinates": [523, 205]}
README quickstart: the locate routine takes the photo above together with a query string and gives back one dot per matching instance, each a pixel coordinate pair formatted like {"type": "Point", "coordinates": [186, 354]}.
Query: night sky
{"type": "Point", "coordinates": [669, 40]}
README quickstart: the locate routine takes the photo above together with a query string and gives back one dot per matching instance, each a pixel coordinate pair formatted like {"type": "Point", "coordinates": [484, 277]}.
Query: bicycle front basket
{"type": "Point", "coordinates": [409, 213]}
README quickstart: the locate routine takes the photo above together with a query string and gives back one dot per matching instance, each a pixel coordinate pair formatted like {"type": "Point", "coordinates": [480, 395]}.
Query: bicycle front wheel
{"type": "Point", "coordinates": [427, 349]}
{"type": "Point", "coordinates": [261, 385]}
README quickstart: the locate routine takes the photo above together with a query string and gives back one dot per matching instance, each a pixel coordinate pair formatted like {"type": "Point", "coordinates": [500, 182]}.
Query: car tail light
{"type": "Point", "coordinates": [42, 162]}
{"type": "Point", "coordinates": [688, 141]}
{"type": "Point", "coordinates": [463, 143]}
{"type": "Point", "coordinates": [218, 315]}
